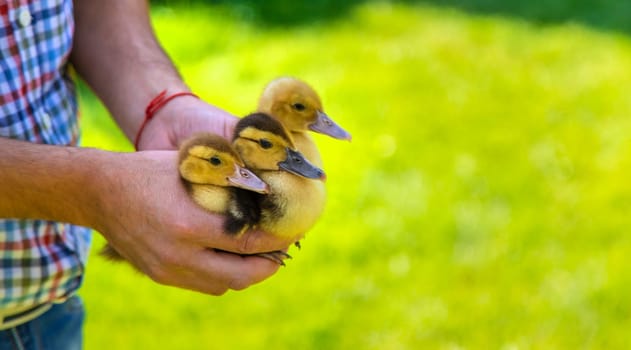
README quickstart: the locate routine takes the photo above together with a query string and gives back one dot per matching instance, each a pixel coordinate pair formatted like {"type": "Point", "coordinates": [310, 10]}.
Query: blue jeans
{"type": "Point", "coordinates": [59, 328]}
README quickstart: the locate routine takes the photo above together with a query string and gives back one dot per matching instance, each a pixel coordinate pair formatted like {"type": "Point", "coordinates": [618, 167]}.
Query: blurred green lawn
{"type": "Point", "coordinates": [483, 203]}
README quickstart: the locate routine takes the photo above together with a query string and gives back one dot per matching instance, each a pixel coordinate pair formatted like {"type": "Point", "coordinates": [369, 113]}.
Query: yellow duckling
{"type": "Point", "coordinates": [288, 211]}
{"type": "Point", "coordinates": [298, 107]}
{"type": "Point", "coordinates": [210, 170]}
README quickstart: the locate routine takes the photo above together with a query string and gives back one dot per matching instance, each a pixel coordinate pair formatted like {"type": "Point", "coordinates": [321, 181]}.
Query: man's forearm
{"type": "Point", "coordinates": [30, 188]}
{"type": "Point", "coordinates": [116, 52]}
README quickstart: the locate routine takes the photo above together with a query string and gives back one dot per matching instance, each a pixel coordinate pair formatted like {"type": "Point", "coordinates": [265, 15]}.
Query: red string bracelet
{"type": "Point", "coordinates": [155, 105]}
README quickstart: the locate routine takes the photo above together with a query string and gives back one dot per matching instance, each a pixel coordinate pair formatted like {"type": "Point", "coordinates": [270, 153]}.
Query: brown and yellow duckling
{"type": "Point", "coordinates": [266, 147]}
{"type": "Point", "coordinates": [298, 107]}
{"type": "Point", "coordinates": [210, 170]}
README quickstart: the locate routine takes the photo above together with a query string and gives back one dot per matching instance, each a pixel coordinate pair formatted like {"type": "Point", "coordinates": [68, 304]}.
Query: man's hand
{"type": "Point", "coordinates": [178, 244]}
{"type": "Point", "coordinates": [180, 118]}
{"type": "Point", "coordinates": [148, 217]}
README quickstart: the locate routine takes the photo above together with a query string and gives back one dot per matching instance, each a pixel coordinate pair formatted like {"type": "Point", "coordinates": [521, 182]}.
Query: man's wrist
{"type": "Point", "coordinates": [155, 105]}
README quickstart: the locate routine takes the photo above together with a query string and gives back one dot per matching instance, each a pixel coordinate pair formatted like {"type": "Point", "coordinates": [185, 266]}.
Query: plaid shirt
{"type": "Point", "coordinates": [40, 261]}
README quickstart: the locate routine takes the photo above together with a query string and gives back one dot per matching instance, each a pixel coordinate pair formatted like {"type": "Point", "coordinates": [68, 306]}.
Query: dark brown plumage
{"type": "Point", "coordinates": [262, 122]}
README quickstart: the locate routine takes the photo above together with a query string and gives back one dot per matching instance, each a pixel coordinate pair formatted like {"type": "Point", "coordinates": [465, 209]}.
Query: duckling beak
{"type": "Point", "coordinates": [296, 163]}
{"type": "Point", "coordinates": [327, 126]}
{"type": "Point", "coordinates": [246, 179]}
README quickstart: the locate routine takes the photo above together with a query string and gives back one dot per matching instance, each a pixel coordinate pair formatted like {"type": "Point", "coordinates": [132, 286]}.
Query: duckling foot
{"type": "Point", "coordinates": [275, 256]}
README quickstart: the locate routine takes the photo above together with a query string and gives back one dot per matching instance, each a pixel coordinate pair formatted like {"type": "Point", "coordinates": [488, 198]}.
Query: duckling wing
{"type": "Point", "coordinates": [244, 211]}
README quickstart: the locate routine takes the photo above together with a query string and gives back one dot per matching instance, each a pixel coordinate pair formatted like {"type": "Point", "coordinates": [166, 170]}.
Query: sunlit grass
{"type": "Point", "coordinates": [483, 202]}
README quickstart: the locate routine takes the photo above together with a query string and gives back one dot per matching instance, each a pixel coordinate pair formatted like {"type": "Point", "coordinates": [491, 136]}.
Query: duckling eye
{"type": "Point", "coordinates": [298, 106]}
{"type": "Point", "coordinates": [214, 160]}
{"type": "Point", "coordinates": [265, 143]}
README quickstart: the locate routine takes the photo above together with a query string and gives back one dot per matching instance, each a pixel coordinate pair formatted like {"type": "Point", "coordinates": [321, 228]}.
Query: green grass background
{"type": "Point", "coordinates": [483, 203]}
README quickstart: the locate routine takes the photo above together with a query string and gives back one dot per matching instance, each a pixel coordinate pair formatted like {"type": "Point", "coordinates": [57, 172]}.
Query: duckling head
{"type": "Point", "coordinates": [264, 144]}
{"type": "Point", "coordinates": [298, 107]}
{"type": "Point", "coordinates": [208, 159]}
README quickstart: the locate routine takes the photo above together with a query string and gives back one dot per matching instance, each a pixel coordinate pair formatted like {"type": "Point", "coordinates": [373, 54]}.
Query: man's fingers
{"type": "Point", "coordinates": [214, 272]}
{"type": "Point", "coordinates": [245, 270]}
{"type": "Point", "coordinates": [207, 230]}
{"type": "Point", "coordinates": [255, 241]}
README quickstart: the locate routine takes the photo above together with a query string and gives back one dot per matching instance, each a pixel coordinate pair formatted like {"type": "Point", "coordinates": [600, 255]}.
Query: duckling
{"type": "Point", "coordinates": [294, 203]}
{"type": "Point", "coordinates": [298, 107]}
{"type": "Point", "coordinates": [210, 170]}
